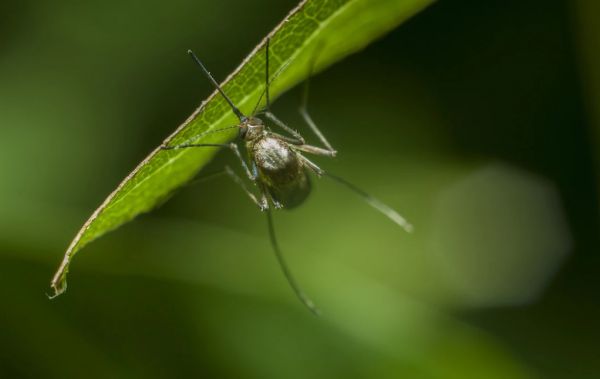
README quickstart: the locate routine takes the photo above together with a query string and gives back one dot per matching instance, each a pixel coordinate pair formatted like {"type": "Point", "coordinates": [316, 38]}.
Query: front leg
{"type": "Point", "coordinates": [262, 204]}
{"type": "Point", "coordinates": [252, 175]}
{"type": "Point", "coordinates": [296, 139]}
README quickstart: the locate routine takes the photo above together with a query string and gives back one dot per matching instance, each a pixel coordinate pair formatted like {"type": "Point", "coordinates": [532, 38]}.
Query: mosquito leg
{"type": "Point", "coordinates": [286, 271]}
{"type": "Point", "coordinates": [296, 139]}
{"type": "Point", "coordinates": [269, 78]}
{"type": "Point", "coordinates": [207, 177]}
{"type": "Point", "coordinates": [385, 209]}
{"type": "Point", "coordinates": [299, 140]}
{"type": "Point", "coordinates": [264, 196]}
{"type": "Point", "coordinates": [262, 204]}
{"type": "Point", "coordinates": [316, 150]}
{"type": "Point", "coordinates": [252, 175]}
{"type": "Point", "coordinates": [276, 203]}
{"type": "Point", "coordinates": [311, 165]}
{"type": "Point", "coordinates": [309, 121]}
{"type": "Point", "coordinates": [289, 140]}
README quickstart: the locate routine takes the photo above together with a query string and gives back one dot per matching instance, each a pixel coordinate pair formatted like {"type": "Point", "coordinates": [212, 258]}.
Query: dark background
{"type": "Point", "coordinates": [474, 119]}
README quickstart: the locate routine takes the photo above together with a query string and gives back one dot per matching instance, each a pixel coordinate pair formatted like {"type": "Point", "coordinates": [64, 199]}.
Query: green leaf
{"type": "Point", "coordinates": [323, 31]}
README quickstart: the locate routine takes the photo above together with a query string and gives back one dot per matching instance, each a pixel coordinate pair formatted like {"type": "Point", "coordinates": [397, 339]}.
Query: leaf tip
{"type": "Point", "coordinates": [59, 281]}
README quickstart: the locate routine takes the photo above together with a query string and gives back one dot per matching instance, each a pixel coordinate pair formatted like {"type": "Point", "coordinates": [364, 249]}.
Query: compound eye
{"type": "Point", "coordinates": [243, 131]}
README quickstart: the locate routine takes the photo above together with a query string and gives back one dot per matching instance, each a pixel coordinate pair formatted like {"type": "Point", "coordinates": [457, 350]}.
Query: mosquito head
{"type": "Point", "coordinates": [251, 128]}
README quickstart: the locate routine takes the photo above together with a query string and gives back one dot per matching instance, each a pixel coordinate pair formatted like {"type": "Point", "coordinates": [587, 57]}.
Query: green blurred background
{"type": "Point", "coordinates": [474, 119]}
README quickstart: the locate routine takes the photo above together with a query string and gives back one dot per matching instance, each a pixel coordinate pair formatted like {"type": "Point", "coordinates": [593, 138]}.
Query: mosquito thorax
{"type": "Point", "coordinates": [251, 128]}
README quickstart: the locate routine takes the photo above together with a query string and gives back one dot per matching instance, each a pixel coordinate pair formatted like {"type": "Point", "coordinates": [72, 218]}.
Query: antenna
{"type": "Point", "coordinates": [235, 110]}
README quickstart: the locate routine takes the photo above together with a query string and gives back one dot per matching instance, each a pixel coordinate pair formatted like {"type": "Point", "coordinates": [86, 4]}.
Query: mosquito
{"type": "Point", "coordinates": [276, 165]}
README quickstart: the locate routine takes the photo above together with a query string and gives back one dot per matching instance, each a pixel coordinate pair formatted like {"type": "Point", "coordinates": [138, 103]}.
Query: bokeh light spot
{"type": "Point", "coordinates": [498, 235]}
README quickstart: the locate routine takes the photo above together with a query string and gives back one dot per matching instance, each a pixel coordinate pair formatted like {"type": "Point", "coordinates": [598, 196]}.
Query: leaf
{"type": "Point", "coordinates": [323, 31]}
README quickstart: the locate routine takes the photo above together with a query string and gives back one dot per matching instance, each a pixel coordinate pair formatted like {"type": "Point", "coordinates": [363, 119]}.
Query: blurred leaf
{"type": "Point", "coordinates": [319, 30]}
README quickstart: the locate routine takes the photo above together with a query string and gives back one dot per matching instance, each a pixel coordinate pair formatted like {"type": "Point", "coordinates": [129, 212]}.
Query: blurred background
{"type": "Point", "coordinates": [476, 120]}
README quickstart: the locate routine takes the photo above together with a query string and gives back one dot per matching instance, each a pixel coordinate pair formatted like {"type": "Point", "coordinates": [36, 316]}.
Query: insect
{"type": "Point", "coordinates": [276, 165]}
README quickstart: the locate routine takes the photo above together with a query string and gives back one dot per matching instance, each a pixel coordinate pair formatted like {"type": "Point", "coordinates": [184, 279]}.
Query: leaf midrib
{"type": "Point", "coordinates": [215, 93]}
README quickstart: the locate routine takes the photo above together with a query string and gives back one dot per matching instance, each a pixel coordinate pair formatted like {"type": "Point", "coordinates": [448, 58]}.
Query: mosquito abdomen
{"type": "Point", "coordinates": [293, 194]}
{"type": "Point", "coordinates": [281, 170]}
